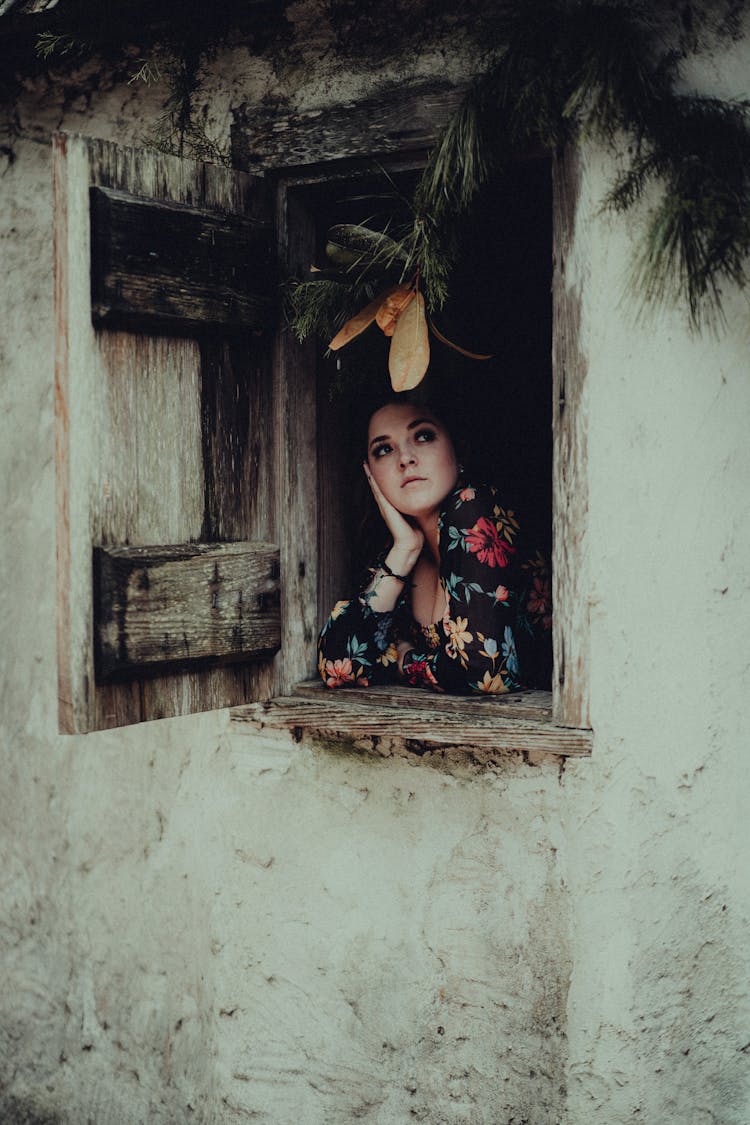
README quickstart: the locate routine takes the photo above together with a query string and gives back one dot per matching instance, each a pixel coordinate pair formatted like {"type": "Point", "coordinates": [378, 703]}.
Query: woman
{"type": "Point", "coordinates": [453, 604]}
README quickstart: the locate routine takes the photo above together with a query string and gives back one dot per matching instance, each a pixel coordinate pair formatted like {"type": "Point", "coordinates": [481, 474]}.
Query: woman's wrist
{"type": "Point", "coordinates": [401, 560]}
{"type": "Point", "coordinates": [388, 573]}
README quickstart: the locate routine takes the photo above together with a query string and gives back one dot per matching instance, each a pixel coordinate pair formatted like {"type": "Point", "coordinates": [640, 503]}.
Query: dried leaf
{"type": "Point", "coordinates": [392, 307]}
{"type": "Point", "coordinates": [409, 356]}
{"type": "Point", "coordinates": [358, 323]}
{"type": "Point", "coordinates": [444, 340]}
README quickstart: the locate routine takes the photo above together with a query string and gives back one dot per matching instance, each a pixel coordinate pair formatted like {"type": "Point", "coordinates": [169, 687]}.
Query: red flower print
{"type": "Point", "coordinates": [539, 598]}
{"type": "Point", "coordinates": [501, 594]}
{"type": "Point", "coordinates": [338, 672]}
{"type": "Point", "coordinates": [419, 674]}
{"type": "Point", "coordinates": [467, 494]}
{"type": "Point", "coordinates": [484, 542]}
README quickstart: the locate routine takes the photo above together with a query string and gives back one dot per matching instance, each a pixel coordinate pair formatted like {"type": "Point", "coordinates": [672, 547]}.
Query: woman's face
{"type": "Point", "coordinates": [411, 457]}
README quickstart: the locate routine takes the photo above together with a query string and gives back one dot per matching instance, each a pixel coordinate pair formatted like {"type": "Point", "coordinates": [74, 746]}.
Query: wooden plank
{"type": "Point", "coordinates": [295, 424]}
{"type": "Point", "coordinates": [157, 607]}
{"type": "Point", "coordinates": [236, 414]}
{"type": "Point", "coordinates": [570, 477]}
{"type": "Point", "coordinates": [535, 705]}
{"type": "Point", "coordinates": [334, 467]}
{"type": "Point", "coordinates": [144, 447]}
{"type": "Point", "coordinates": [175, 267]}
{"type": "Point", "coordinates": [405, 117]}
{"type": "Point", "coordinates": [419, 730]}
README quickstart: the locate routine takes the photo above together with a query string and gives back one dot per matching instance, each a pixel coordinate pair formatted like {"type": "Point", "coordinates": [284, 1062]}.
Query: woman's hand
{"type": "Point", "coordinates": [407, 540]}
{"type": "Point", "coordinates": [403, 648]}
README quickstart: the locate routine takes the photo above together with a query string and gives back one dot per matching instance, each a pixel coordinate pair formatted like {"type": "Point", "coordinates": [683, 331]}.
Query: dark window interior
{"type": "Point", "coordinates": [498, 410]}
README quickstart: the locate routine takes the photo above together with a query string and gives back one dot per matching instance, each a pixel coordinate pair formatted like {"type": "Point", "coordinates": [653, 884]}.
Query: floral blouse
{"type": "Point", "coordinates": [496, 632]}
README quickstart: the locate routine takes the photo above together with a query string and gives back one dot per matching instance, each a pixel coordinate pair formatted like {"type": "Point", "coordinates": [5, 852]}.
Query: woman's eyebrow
{"type": "Point", "coordinates": [382, 437]}
{"type": "Point", "coordinates": [420, 422]}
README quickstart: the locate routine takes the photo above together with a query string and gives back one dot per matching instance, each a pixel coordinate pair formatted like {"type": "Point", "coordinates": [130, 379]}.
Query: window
{"type": "Point", "coordinates": [152, 426]}
{"type": "Point", "coordinates": [311, 472]}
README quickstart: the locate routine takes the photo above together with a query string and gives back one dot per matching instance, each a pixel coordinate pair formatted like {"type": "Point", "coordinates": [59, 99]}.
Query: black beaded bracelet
{"type": "Point", "coordinates": [387, 570]}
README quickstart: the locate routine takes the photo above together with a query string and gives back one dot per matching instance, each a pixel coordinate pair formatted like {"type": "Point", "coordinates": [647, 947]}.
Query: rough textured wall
{"type": "Point", "coordinates": [197, 926]}
{"type": "Point", "coordinates": [656, 835]}
{"type": "Point", "coordinates": [393, 941]}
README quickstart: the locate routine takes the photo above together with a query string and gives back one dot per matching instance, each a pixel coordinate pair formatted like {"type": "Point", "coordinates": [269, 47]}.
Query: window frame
{"type": "Point", "coordinates": [305, 596]}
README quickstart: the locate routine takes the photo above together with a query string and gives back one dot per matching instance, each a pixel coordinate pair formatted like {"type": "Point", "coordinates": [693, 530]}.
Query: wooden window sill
{"type": "Point", "coordinates": [409, 722]}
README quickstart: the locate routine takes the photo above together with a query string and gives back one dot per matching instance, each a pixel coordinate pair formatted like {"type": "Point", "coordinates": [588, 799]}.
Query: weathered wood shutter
{"type": "Point", "coordinates": [168, 569]}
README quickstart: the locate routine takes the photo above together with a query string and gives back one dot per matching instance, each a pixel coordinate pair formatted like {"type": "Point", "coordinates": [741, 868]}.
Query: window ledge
{"type": "Point", "coordinates": [412, 723]}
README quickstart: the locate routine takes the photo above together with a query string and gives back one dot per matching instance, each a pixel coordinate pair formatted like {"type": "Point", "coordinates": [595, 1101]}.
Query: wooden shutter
{"type": "Point", "coordinates": [168, 569]}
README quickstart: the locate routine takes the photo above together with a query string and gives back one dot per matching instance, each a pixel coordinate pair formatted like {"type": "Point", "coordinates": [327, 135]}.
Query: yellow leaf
{"type": "Point", "coordinates": [392, 307]}
{"type": "Point", "coordinates": [358, 323]}
{"type": "Point", "coordinates": [409, 356]}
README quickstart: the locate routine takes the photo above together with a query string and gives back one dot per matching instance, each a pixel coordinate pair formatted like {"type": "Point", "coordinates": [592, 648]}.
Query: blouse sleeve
{"type": "Point", "coordinates": [486, 627]}
{"type": "Point", "coordinates": [357, 645]}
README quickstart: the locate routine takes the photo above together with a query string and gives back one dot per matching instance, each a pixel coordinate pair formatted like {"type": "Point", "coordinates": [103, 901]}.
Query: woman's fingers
{"type": "Point", "coordinates": [387, 510]}
{"type": "Point", "coordinates": [402, 531]}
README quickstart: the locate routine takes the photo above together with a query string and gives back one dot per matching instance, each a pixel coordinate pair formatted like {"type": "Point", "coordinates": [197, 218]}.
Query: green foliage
{"type": "Point", "coordinates": [53, 43]}
{"type": "Point", "coordinates": [595, 69]}
{"type": "Point", "coordinates": [175, 58]}
{"type": "Point", "coordinates": [557, 71]}
{"type": "Point", "coordinates": [321, 307]}
{"type": "Point", "coordinates": [699, 231]}
{"type": "Point", "coordinates": [179, 130]}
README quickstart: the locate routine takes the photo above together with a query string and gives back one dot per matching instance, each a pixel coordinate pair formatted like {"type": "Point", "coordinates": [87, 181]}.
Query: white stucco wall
{"type": "Point", "coordinates": [656, 834]}
{"type": "Point", "coordinates": [204, 925]}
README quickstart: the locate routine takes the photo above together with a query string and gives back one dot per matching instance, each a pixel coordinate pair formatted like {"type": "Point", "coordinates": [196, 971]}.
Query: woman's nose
{"type": "Point", "coordinates": [407, 457]}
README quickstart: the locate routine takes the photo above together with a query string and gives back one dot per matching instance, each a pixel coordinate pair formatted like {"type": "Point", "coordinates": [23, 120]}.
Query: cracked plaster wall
{"type": "Point", "coordinates": [198, 926]}
{"type": "Point", "coordinates": [656, 824]}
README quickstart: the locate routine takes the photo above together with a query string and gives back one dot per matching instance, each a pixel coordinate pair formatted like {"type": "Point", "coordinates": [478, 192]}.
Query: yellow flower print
{"type": "Point", "coordinates": [491, 685]}
{"type": "Point", "coordinates": [338, 609]}
{"type": "Point", "coordinates": [458, 637]}
{"type": "Point", "coordinates": [457, 631]}
{"type": "Point", "coordinates": [506, 523]}
{"type": "Point", "coordinates": [390, 656]}
{"type": "Point", "coordinates": [431, 635]}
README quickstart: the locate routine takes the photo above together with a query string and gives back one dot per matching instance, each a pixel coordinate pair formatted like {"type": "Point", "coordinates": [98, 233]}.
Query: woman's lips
{"type": "Point", "coordinates": [413, 480]}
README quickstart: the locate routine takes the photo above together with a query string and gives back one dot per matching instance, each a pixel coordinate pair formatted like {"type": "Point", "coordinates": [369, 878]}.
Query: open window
{"type": "Point", "coordinates": [497, 409]}
{"type": "Point", "coordinates": [210, 458]}
{"type": "Point", "coordinates": [506, 301]}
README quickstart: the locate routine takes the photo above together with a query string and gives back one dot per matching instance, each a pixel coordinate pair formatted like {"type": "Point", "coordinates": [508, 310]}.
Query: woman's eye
{"type": "Point", "coordinates": [381, 450]}
{"type": "Point", "coordinates": [425, 435]}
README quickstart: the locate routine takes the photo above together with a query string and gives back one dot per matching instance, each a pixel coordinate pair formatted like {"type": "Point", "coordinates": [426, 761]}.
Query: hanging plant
{"type": "Point", "coordinates": [398, 309]}
{"type": "Point", "coordinates": [572, 71]}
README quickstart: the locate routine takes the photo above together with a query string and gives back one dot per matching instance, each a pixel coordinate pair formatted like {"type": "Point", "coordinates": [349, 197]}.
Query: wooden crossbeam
{"type": "Point", "coordinates": [161, 607]}
{"type": "Point", "coordinates": [175, 267]}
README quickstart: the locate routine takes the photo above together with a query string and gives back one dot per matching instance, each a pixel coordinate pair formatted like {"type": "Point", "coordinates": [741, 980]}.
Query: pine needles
{"type": "Point", "coordinates": [320, 307]}
{"type": "Point", "coordinates": [698, 235]}
{"type": "Point", "coordinates": [592, 69]}
{"type": "Point", "coordinates": [558, 71]}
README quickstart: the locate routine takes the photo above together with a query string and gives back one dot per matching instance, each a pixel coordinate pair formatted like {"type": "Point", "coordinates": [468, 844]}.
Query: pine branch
{"type": "Point", "coordinates": [319, 308]}
{"type": "Point", "coordinates": [50, 43]}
